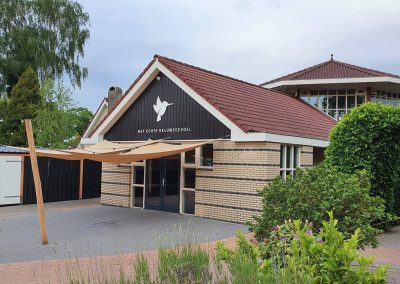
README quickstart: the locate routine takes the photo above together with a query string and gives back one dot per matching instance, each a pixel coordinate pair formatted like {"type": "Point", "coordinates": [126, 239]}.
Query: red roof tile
{"type": "Point", "coordinates": [332, 69]}
{"type": "Point", "coordinates": [251, 107]}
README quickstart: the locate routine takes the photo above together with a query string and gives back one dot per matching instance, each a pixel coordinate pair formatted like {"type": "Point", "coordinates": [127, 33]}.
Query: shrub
{"type": "Point", "coordinates": [368, 138]}
{"type": "Point", "coordinates": [314, 192]}
{"type": "Point", "coordinates": [326, 257]}
{"type": "Point", "coordinates": [186, 264]}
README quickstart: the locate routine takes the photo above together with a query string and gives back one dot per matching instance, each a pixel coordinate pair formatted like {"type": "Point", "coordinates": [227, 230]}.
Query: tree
{"type": "Point", "coordinates": [368, 139]}
{"type": "Point", "coordinates": [58, 122]}
{"type": "Point", "coordinates": [23, 104]}
{"type": "Point", "coordinates": [48, 35]}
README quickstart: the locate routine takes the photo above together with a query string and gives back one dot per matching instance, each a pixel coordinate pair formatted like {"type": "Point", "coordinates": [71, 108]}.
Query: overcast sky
{"type": "Point", "coordinates": [252, 40]}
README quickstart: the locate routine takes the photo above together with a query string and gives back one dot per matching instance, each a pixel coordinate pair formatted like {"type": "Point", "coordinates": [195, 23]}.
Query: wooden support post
{"type": "Point", "coordinates": [36, 179]}
{"type": "Point", "coordinates": [81, 180]}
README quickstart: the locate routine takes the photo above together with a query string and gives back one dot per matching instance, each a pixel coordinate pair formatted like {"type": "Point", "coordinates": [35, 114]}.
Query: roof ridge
{"type": "Point", "coordinates": [365, 70]}
{"type": "Point", "coordinates": [212, 72]}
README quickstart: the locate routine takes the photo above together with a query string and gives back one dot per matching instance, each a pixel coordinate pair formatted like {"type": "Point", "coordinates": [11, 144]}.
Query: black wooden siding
{"type": "Point", "coordinates": [60, 180]}
{"type": "Point", "coordinates": [185, 112]}
{"type": "Point", "coordinates": [91, 179]}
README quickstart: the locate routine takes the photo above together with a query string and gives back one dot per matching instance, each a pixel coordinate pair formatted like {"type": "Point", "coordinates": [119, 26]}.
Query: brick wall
{"type": "Point", "coordinates": [229, 191]}
{"type": "Point", "coordinates": [306, 159]}
{"type": "Point", "coordinates": [115, 185]}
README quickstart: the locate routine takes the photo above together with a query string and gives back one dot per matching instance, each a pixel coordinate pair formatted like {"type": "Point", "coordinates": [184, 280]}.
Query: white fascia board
{"type": "Point", "coordinates": [103, 107]}
{"type": "Point", "coordinates": [277, 138]}
{"type": "Point", "coordinates": [141, 85]}
{"type": "Point", "coordinates": [332, 81]}
{"type": "Point", "coordinates": [199, 99]}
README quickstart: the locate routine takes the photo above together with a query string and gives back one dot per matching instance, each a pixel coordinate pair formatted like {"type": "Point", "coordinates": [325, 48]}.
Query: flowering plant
{"type": "Point", "coordinates": [294, 253]}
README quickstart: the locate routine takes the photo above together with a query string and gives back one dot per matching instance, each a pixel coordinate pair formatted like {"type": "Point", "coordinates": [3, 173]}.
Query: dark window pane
{"type": "Point", "coordinates": [332, 92]}
{"type": "Point", "coordinates": [341, 114]}
{"type": "Point", "coordinates": [189, 201]}
{"type": "Point", "coordinates": [323, 92]}
{"type": "Point", "coordinates": [288, 156]}
{"type": "Point", "coordinates": [314, 93]}
{"type": "Point", "coordinates": [332, 113]}
{"type": "Point", "coordinates": [207, 153]}
{"type": "Point", "coordinates": [351, 101]}
{"type": "Point", "coordinates": [138, 196]}
{"type": "Point", "coordinates": [360, 100]}
{"type": "Point", "coordinates": [332, 102]}
{"type": "Point", "coordinates": [351, 92]}
{"type": "Point", "coordinates": [190, 178]}
{"type": "Point", "coordinates": [295, 157]}
{"type": "Point", "coordinates": [323, 102]}
{"type": "Point", "coordinates": [282, 156]}
{"type": "Point", "coordinates": [341, 102]}
{"type": "Point", "coordinates": [342, 92]}
{"type": "Point", "coordinates": [138, 176]}
{"type": "Point", "coordinates": [190, 157]}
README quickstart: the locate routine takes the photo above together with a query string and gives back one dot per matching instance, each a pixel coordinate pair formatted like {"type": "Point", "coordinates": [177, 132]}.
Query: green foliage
{"type": "Point", "coordinates": [23, 104]}
{"type": "Point", "coordinates": [48, 35]}
{"type": "Point", "coordinates": [368, 139]}
{"type": "Point", "coordinates": [326, 257]}
{"type": "Point", "coordinates": [314, 192]}
{"type": "Point", "coordinates": [58, 123]}
{"type": "Point", "coordinates": [185, 264]}
{"type": "Point", "coordinates": [141, 267]}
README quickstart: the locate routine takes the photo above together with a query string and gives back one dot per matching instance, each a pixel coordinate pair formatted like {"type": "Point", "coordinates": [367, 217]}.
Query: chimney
{"type": "Point", "coordinates": [114, 94]}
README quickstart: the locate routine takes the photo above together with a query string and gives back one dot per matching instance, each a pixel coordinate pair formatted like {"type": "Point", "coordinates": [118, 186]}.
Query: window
{"type": "Point", "coordinates": [290, 160]}
{"type": "Point", "coordinates": [190, 157]}
{"type": "Point", "coordinates": [336, 103]}
{"type": "Point", "coordinates": [137, 184]}
{"type": "Point", "coordinates": [189, 178]}
{"type": "Point", "coordinates": [387, 98]}
{"type": "Point", "coordinates": [206, 155]}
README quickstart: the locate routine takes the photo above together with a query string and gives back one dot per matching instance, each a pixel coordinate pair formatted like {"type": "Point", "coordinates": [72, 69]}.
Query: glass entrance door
{"type": "Point", "coordinates": [162, 184]}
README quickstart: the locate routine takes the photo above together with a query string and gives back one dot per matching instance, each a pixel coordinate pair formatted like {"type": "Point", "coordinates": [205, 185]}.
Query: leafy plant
{"type": "Point", "coordinates": [142, 274]}
{"type": "Point", "coordinates": [368, 138]}
{"type": "Point", "coordinates": [314, 192]}
{"type": "Point", "coordinates": [325, 257]}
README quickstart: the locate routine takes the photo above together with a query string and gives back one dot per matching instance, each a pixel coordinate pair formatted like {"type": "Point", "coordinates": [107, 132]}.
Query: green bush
{"type": "Point", "coordinates": [368, 138]}
{"type": "Point", "coordinates": [315, 191]}
{"type": "Point", "coordinates": [186, 264]}
{"type": "Point", "coordinates": [326, 257]}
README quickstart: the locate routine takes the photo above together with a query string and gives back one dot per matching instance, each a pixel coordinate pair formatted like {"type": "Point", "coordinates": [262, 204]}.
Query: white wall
{"type": "Point", "coordinates": [10, 173]}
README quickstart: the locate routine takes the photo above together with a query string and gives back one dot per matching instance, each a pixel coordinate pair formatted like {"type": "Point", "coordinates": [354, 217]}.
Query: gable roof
{"type": "Point", "coordinates": [250, 107]}
{"type": "Point", "coordinates": [332, 69]}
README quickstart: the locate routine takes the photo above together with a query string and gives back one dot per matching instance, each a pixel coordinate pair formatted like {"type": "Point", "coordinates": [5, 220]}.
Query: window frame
{"type": "Point", "coordinates": [283, 160]}
{"type": "Point", "coordinates": [134, 185]}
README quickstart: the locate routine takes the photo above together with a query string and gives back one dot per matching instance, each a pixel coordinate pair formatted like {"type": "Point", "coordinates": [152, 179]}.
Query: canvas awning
{"type": "Point", "coordinates": [120, 153]}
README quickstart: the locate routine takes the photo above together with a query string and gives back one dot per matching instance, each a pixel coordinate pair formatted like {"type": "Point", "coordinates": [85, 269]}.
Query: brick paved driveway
{"type": "Point", "coordinates": [79, 229]}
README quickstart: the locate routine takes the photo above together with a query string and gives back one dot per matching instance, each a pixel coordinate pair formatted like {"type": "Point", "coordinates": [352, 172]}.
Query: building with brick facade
{"type": "Point", "coordinates": [255, 135]}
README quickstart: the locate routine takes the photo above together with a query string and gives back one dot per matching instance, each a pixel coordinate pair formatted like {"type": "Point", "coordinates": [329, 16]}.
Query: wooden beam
{"type": "Point", "coordinates": [81, 180]}
{"type": "Point", "coordinates": [36, 179]}
{"type": "Point", "coordinates": [22, 178]}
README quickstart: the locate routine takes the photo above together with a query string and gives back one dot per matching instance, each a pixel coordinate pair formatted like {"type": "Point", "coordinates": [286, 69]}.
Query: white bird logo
{"type": "Point", "coordinates": [160, 108]}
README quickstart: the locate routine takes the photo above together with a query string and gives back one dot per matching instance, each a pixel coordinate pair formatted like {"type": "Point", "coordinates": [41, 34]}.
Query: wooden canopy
{"type": "Point", "coordinates": [120, 153]}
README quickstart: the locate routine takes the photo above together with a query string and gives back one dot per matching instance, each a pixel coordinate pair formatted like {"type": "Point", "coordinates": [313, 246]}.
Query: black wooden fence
{"type": "Point", "coordinates": [60, 180]}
